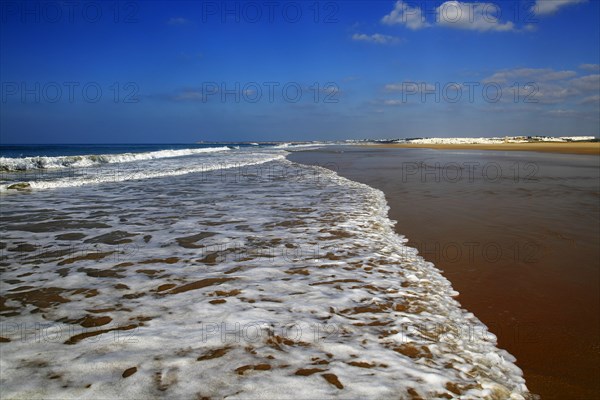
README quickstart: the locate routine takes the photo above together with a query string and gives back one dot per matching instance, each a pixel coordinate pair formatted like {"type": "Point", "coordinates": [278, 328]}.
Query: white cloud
{"type": "Point", "coordinates": [451, 14]}
{"type": "Point", "coordinates": [403, 14]}
{"type": "Point", "coordinates": [526, 87]}
{"type": "Point", "coordinates": [591, 100]}
{"type": "Point", "coordinates": [411, 87]}
{"type": "Point", "coordinates": [590, 67]}
{"type": "Point", "coordinates": [177, 21]}
{"type": "Point", "coordinates": [472, 16]}
{"type": "Point", "coordinates": [547, 86]}
{"type": "Point", "coordinates": [376, 38]}
{"type": "Point", "coordinates": [587, 83]}
{"type": "Point", "coordinates": [534, 74]}
{"type": "Point", "coordinates": [564, 113]}
{"type": "Point", "coordinates": [392, 102]}
{"type": "Point", "coordinates": [188, 95]}
{"type": "Point", "coordinates": [394, 87]}
{"type": "Point", "coordinates": [547, 7]}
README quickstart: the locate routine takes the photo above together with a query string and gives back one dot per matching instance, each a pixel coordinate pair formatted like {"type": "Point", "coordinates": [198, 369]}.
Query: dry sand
{"type": "Point", "coordinates": [547, 147]}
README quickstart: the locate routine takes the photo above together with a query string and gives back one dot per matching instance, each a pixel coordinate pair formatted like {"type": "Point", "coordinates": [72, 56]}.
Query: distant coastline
{"type": "Point", "coordinates": [584, 147]}
{"type": "Point", "coordinates": [419, 141]}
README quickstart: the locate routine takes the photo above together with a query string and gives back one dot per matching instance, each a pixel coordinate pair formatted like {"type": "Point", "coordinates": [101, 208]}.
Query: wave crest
{"type": "Point", "coordinates": [9, 164]}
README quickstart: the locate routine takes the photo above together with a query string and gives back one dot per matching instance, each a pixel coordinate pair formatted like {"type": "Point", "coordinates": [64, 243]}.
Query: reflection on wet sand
{"type": "Point", "coordinates": [516, 233]}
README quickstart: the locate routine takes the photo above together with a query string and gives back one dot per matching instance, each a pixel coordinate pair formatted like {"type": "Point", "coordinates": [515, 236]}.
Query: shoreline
{"type": "Point", "coordinates": [587, 148]}
{"type": "Point", "coordinates": [214, 291]}
{"type": "Point", "coordinates": [540, 297]}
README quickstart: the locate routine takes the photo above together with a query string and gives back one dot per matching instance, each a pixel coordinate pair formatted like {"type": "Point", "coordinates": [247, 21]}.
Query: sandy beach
{"type": "Point", "coordinates": [212, 272]}
{"type": "Point", "coordinates": [546, 147]}
{"type": "Point", "coordinates": [517, 235]}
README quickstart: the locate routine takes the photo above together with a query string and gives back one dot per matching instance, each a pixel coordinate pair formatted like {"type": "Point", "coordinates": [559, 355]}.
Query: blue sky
{"type": "Point", "coordinates": [152, 72]}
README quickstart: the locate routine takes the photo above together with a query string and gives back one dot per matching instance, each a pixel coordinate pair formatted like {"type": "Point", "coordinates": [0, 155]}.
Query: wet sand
{"type": "Point", "coordinates": [282, 284]}
{"type": "Point", "coordinates": [516, 233]}
{"type": "Point", "coordinates": [545, 147]}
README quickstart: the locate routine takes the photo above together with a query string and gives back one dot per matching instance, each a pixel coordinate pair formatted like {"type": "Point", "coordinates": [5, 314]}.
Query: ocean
{"type": "Point", "coordinates": [192, 271]}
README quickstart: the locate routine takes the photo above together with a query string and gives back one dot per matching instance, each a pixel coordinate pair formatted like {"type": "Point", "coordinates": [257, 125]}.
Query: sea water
{"type": "Point", "coordinates": [223, 271]}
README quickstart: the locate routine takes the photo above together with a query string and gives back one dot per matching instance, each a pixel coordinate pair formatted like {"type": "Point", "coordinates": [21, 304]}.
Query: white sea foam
{"type": "Point", "coordinates": [297, 287]}
{"type": "Point", "coordinates": [306, 146]}
{"type": "Point", "coordinates": [136, 174]}
{"type": "Point", "coordinates": [142, 168]}
{"type": "Point", "coordinates": [80, 161]}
